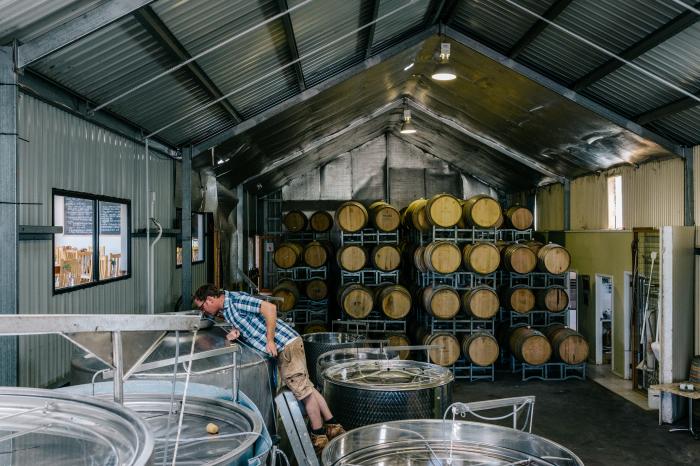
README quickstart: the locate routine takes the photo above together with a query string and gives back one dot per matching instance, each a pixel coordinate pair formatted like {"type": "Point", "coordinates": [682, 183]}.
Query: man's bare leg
{"type": "Point", "coordinates": [313, 410]}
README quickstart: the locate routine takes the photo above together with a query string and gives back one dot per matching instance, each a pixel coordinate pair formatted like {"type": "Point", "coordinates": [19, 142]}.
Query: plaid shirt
{"type": "Point", "coordinates": [243, 311]}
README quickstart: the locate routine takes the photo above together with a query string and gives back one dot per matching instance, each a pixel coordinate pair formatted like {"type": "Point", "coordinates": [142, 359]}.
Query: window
{"type": "Point", "coordinates": [94, 245]}
{"type": "Point", "coordinates": [615, 202]}
{"type": "Point", "coordinates": [197, 238]}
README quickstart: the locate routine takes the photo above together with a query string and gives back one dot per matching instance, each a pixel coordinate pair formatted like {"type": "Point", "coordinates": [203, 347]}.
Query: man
{"type": "Point", "coordinates": [255, 322]}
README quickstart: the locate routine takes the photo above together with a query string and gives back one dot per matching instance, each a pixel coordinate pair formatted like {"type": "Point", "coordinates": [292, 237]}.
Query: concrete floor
{"type": "Point", "coordinates": [599, 426]}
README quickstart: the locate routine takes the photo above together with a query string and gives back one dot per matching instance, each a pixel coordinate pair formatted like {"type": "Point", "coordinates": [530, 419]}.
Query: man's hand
{"type": "Point", "coordinates": [233, 334]}
{"type": "Point", "coordinates": [271, 348]}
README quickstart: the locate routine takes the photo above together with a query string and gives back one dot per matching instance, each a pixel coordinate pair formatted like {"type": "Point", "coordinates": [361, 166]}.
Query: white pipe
{"type": "Point", "coordinates": [151, 277]}
{"type": "Point", "coordinates": [147, 215]}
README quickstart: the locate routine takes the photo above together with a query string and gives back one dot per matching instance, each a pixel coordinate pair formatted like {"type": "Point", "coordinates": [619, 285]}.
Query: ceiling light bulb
{"type": "Point", "coordinates": [409, 66]}
{"type": "Point", "coordinates": [407, 127]}
{"type": "Point", "coordinates": [444, 72]}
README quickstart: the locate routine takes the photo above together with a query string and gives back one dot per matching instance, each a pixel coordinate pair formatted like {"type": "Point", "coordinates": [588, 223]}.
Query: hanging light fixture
{"type": "Point", "coordinates": [444, 71]}
{"type": "Point", "coordinates": [407, 127]}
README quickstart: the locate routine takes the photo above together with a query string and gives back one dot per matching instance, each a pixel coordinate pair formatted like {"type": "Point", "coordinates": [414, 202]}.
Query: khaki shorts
{"type": "Point", "coordinates": [292, 364]}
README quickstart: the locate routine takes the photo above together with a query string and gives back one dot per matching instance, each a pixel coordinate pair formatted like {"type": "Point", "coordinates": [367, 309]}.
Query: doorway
{"type": "Point", "coordinates": [604, 289]}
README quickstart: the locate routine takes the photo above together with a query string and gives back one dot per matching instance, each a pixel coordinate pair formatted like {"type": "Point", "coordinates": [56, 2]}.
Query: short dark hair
{"type": "Point", "coordinates": [207, 290]}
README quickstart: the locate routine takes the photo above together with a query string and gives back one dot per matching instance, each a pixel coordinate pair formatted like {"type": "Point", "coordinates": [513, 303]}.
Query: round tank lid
{"type": "Point", "coordinates": [48, 427]}
{"type": "Point", "coordinates": [388, 375]}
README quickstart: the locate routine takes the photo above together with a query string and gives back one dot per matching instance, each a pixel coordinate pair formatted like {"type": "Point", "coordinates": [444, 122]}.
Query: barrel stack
{"type": "Point", "coordinates": [464, 264]}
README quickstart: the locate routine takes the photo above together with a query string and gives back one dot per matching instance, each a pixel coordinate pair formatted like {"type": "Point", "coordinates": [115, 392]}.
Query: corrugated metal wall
{"type": "Point", "coordinates": [59, 150]}
{"type": "Point", "coordinates": [550, 207]}
{"type": "Point", "coordinates": [589, 208]}
{"type": "Point", "coordinates": [652, 195]}
{"type": "Point", "coordinates": [362, 174]}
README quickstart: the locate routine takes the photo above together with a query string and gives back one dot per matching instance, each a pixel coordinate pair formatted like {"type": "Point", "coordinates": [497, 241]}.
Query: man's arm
{"type": "Point", "coordinates": [269, 312]}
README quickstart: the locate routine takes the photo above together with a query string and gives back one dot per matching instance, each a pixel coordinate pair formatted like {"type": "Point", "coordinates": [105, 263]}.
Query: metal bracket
{"type": "Point", "coordinates": [293, 420]}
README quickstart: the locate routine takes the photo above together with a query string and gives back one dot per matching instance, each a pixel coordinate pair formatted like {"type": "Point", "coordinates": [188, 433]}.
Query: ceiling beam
{"type": "Point", "coordinates": [495, 145]}
{"type": "Point", "coordinates": [165, 38]}
{"type": "Point", "coordinates": [292, 43]}
{"type": "Point", "coordinates": [311, 92]}
{"type": "Point", "coordinates": [563, 91]}
{"type": "Point", "coordinates": [665, 32]}
{"type": "Point", "coordinates": [372, 28]}
{"type": "Point", "coordinates": [537, 28]}
{"type": "Point", "coordinates": [73, 30]}
{"type": "Point", "coordinates": [446, 12]}
{"type": "Point", "coordinates": [671, 108]}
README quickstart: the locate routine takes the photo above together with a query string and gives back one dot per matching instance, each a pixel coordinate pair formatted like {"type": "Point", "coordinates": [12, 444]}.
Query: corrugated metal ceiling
{"type": "Point", "coordinates": [612, 24]}
{"type": "Point", "coordinates": [120, 56]}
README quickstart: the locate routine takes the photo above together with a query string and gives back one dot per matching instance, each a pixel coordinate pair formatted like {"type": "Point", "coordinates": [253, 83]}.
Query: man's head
{"type": "Point", "coordinates": [209, 299]}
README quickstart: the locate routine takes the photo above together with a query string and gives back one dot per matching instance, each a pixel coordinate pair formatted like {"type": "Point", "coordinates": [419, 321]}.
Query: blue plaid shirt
{"type": "Point", "coordinates": [243, 312]}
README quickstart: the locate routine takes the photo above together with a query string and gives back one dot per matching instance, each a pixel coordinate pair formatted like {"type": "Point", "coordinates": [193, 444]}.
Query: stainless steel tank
{"type": "Point", "coordinates": [240, 428]}
{"type": "Point", "coordinates": [41, 427]}
{"type": "Point", "coordinates": [257, 370]}
{"type": "Point", "coordinates": [340, 356]}
{"type": "Point", "coordinates": [431, 442]}
{"type": "Point", "coordinates": [315, 344]}
{"type": "Point", "coordinates": [360, 393]}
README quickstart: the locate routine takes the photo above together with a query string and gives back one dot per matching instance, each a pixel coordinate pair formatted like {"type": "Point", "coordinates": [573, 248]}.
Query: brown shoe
{"type": "Point", "coordinates": [319, 442]}
{"type": "Point", "coordinates": [334, 430]}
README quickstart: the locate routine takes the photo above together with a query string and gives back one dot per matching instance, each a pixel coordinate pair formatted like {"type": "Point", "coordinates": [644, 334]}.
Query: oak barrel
{"type": "Point", "coordinates": [481, 302]}
{"type": "Point", "coordinates": [352, 257]}
{"type": "Point", "coordinates": [287, 255]}
{"type": "Point", "coordinates": [356, 300]}
{"type": "Point", "coordinates": [316, 289]}
{"type": "Point", "coordinates": [442, 257]}
{"type": "Point", "coordinates": [384, 216]}
{"type": "Point", "coordinates": [443, 210]}
{"type": "Point", "coordinates": [414, 216]}
{"type": "Point", "coordinates": [315, 326]}
{"type": "Point", "coordinates": [481, 211]}
{"type": "Point", "coordinates": [316, 253]}
{"type": "Point", "coordinates": [386, 257]}
{"type": "Point", "coordinates": [519, 299]}
{"type": "Point", "coordinates": [351, 216]}
{"type": "Point", "coordinates": [321, 221]}
{"type": "Point", "coordinates": [519, 258]}
{"type": "Point", "coordinates": [553, 258]}
{"type": "Point", "coordinates": [288, 291]}
{"type": "Point", "coordinates": [394, 301]}
{"type": "Point", "coordinates": [399, 339]}
{"type": "Point", "coordinates": [480, 348]}
{"type": "Point", "coordinates": [534, 245]}
{"type": "Point", "coordinates": [519, 217]}
{"type": "Point", "coordinates": [295, 220]}
{"type": "Point", "coordinates": [552, 299]}
{"type": "Point", "coordinates": [419, 260]}
{"type": "Point", "coordinates": [482, 258]}
{"type": "Point", "coordinates": [441, 301]}
{"type": "Point", "coordinates": [448, 354]}
{"type": "Point", "coordinates": [568, 345]}
{"type": "Point", "coordinates": [694, 376]}
{"type": "Point", "coordinates": [529, 345]}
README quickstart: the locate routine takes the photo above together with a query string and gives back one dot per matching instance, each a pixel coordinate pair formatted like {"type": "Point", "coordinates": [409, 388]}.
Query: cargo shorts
{"type": "Point", "coordinates": [293, 370]}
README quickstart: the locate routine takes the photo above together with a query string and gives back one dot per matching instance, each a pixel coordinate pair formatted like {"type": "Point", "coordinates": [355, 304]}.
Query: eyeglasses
{"type": "Point", "coordinates": [201, 306]}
